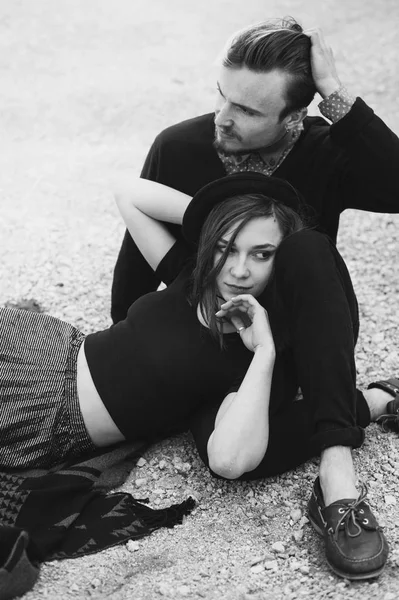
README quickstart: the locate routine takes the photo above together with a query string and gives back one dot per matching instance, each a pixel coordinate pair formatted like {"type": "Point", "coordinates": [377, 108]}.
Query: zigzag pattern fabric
{"type": "Point", "coordinates": [65, 513]}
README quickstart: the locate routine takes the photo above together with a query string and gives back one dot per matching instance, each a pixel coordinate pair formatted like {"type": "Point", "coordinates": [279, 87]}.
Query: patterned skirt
{"type": "Point", "coordinates": [40, 420]}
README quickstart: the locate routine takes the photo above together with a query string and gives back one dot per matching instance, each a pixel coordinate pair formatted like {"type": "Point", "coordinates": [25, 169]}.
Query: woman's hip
{"type": "Point", "coordinates": [40, 421]}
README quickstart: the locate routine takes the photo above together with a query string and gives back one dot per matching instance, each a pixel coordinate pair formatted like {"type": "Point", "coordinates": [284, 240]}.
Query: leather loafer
{"type": "Point", "coordinates": [390, 420]}
{"type": "Point", "coordinates": [355, 546]}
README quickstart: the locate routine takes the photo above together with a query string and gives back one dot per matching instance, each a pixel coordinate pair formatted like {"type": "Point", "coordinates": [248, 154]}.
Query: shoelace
{"type": "Point", "coordinates": [388, 423]}
{"type": "Point", "coordinates": [352, 511]}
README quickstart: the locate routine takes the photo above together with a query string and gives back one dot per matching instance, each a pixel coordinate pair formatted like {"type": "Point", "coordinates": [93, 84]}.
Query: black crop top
{"type": "Point", "coordinates": [159, 365]}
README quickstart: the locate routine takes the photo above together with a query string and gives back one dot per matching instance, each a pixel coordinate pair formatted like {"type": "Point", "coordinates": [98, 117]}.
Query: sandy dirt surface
{"type": "Point", "coordinates": [85, 87]}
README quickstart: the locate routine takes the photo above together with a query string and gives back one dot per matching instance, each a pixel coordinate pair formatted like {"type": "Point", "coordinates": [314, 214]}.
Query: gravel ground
{"type": "Point", "coordinates": [85, 88]}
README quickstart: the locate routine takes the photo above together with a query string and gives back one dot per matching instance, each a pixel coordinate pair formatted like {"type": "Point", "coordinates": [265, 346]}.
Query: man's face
{"type": "Point", "coordinates": [248, 108]}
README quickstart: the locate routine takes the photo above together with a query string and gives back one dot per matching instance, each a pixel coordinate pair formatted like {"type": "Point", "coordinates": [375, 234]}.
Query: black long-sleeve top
{"type": "Point", "coordinates": [350, 164]}
{"type": "Point", "coordinates": [155, 368]}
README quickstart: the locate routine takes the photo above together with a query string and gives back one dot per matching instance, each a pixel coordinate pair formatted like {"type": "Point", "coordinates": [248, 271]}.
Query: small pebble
{"type": "Point", "coordinates": [278, 547]}
{"type": "Point", "coordinates": [387, 468]}
{"type": "Point", "coordinates": [182, 467]}
{"type": "Point", "coordinates": [271, 565]}
{"type": "Point", "coordinates": [303, 520]}
{"type": "Point", "coordinates": [378, 337]}
{"type": "Point", "coordinates": [141, 462]}
{"type": "Point", "coordinates": [195, 494]}
{"type": "Point", "coordinates": [164, 589]}
{"type": "Point", "coordinates": [304, 569]}
{"type": "Point", "coordinates": [133, 546]}
{"type": "Point", "coordinates": [256, 560]}
{"type": "Point", "coordinates": [298, 535]}
{"type": "Point", "coordinates": [382, 523]}
{"type": "Point", "coordinates": [258, 568]}
{"type": "Point", "coordinates": [389, 499]}
{"type": "Point", "coordinates": [183, 590]}
{"type": "Point", "coordinates": [296, 514]}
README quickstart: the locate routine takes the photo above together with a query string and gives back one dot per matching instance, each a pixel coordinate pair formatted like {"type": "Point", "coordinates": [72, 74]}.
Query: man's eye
{"type": "Point", "coordinates": [246, 111]}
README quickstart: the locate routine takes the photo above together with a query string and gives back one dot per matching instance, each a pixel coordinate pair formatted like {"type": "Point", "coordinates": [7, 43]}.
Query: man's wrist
{"type": "Point", "coordinates": [328, 88]}
{"type": "Point", "coordinates": [337, 104]}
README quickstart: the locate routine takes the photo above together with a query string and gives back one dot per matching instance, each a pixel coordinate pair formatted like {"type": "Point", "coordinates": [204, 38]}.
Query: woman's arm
{"type": "Point", "coordinates": [145, 206]}
{"type": "Point", "coordinates": [240, 438]}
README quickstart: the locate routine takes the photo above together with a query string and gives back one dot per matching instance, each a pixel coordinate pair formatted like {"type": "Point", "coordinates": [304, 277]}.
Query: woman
{"type": "Point", "coordinates": [177, 352]}
{"type": "Point", "coordinates": [64, 393]}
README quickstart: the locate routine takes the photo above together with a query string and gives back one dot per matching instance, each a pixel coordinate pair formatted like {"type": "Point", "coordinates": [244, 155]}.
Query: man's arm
{"type": "Point", "coordinates": [182, 157]}
{"type": "Point", "coordinates": [366, 178]}
{"type": "Point", "coordinates": [133, 277]}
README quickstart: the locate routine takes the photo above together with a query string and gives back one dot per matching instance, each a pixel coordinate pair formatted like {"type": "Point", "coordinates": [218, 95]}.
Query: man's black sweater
{"type": "Point", "coordinates": [351, 164]}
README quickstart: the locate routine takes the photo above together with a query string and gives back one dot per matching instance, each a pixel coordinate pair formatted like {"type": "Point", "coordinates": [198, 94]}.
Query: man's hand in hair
{"type": "Point", "coordinates": [324, 71]}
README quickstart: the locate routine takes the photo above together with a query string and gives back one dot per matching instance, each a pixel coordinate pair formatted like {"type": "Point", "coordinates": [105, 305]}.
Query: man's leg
{"type": "Point", "coordinates": [319, 305]}
{"type": "Point", "coordinates": [336, 464]}
{"type": "Point", "coordinates": [320, 308]}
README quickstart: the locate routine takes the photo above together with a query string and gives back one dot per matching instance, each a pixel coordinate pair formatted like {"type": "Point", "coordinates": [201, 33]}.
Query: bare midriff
{"type": "Point", "coordinates": [98, 422]}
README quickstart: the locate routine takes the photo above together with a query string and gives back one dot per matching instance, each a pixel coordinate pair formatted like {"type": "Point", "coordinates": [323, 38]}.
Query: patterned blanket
{"type": "Point", "coordinates": [67, 512]}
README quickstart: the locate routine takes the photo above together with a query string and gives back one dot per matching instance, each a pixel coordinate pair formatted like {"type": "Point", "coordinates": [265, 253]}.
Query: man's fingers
{"type": "Point", "coordinates": [314, 34]}
{"type": "Point", "coordinates": [317, 38]}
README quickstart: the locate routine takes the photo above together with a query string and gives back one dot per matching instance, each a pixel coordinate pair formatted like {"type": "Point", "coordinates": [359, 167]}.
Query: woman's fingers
{"type": "Point", "coordinates": [244, 303]}
{"type": "Point", "coordinates": [238, 323]}
{"type": "Point", "coordinates": [235, 310]}
{"type": "Point", "coordinates": [243, 299]}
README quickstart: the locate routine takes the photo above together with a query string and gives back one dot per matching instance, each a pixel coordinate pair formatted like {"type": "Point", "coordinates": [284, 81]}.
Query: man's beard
{"type": "Point", "coordinates": [220, 147]}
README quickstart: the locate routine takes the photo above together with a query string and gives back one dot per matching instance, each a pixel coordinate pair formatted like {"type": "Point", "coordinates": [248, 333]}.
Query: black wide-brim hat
{"type": "Point", "coordinates": [235, 185]}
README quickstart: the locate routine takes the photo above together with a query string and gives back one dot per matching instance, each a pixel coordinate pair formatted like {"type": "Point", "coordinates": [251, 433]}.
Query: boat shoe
{"type": "Point", "coordinates": [390, 420]}
{"type": "Point", "coordinates": [355, 546]}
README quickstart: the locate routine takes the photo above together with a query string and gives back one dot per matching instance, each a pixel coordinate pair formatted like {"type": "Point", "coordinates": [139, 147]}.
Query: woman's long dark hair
{"type": "Point", "coordinates": [238, 210]}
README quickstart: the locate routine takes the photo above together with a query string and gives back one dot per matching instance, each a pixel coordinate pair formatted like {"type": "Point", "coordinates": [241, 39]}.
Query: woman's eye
{"type": "Point", "coordinates": [223, 249]}
{"type": "Point", "coordinates": [263, 255]}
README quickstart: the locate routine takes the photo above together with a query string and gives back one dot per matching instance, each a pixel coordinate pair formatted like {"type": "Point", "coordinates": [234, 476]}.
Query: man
{"type": "Point", "coordinates": [268, 77]}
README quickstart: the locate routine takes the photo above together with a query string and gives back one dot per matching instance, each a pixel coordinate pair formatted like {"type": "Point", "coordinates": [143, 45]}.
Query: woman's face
{"type": "Point", "coordinates": [249, 264]}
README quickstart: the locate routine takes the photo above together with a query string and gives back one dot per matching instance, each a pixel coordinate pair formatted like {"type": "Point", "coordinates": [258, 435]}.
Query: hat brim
{"type": "Point", "coordinates": [234, 185]}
